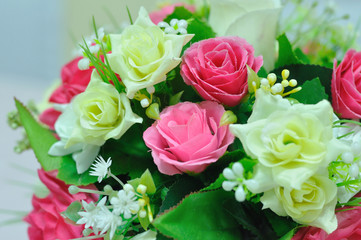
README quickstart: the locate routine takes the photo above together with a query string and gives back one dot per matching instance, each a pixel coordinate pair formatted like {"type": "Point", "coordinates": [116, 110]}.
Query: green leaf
{"type": "Point", "coordinates": [251, 217]}
{"type": "Point", "coordinates": [301, 56]}
{"type": "Point", "coordinates": [281, 225]}
{"type": "Point", "coordinates": [286, 56]}
{"type": "Point", "coordinates": [304, 72]}
{"type": "Point", "coordinates": [41, 139]}
{"type": "Point", "coordinates": [68, 173]}
{"type": "Point", "coordinates": [312, 92]}
{"type": "Point", "coordinates": [178, 191]}
{"type": "Point", "coordinates": [200, 216]}
{"type": "Point", "coordinates": [289, 235]}
{"type": "Point", "coordinates": [72, 211]}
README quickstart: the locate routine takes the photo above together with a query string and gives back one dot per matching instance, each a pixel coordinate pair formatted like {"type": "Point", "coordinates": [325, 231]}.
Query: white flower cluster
{"type": "Point", "coordinates": [175, 26]}
{"type": "Point", "coordinates": [100, 218]}
{"type": "Point", "coordinates": [235, 181]}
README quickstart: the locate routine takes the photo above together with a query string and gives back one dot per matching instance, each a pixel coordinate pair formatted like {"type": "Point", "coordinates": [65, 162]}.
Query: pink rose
{"type": "Point", "coordinates": [45, 219]}
{"type": "Point", "coordinates": [160, 15]}
{"type": "Point", "coordinates": [74, 81]}
{"type": "Point", "coordinates": [349, 227]}
{"type": "Point", "coordinates": [346, 86]}
{"type": "Point", "coordinates": [188, 138]}
{"type": "Point", "coordinates": [216, 68]}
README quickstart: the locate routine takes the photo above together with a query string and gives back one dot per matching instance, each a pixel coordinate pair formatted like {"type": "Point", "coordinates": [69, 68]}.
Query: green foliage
{"type": "Point", "coordinates": [68, 173]}
{"type": "Point", "coordinates": [312, 92]}
{"type": "Point", "coordinates": [40, 139]}
{"type": "Point", "coordinates": [286, 56]}
{"type": "Point", "coordinates": [281, 225]}
{"type": "Point", "coordinates": [178, 191]}
{"type": "Point", "coordinates": [200, 216]}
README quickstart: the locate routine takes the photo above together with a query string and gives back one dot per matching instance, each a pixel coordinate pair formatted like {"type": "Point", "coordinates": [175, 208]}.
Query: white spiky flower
{"type": "Point", "coordinates": [125, 202]}
{"type": "Point", "coordinates": [100, 168]}
{"type": "Point", "coordinates": [89, 217]}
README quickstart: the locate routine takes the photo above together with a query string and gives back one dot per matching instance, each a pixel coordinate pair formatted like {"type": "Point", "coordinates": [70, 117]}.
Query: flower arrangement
{"type": "Point", "coordinates": [189, 123]}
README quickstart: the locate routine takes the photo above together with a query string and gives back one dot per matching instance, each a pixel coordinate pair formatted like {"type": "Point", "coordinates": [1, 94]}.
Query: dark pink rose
{"type": "Point", "coordinates": [188, 138]}
{"type": "Point", "coordinates": [158, 16]}
{"type": "Point", "coordinates": [349, 228]}
{"type": "Point", "coordinates": [73, 82]}
{"type": "Point", "coordinates": [45, 219]}
{"type": "Point", "coordinates": [346, 86]}
{"type": "Point", "coordinates": [216, 68]}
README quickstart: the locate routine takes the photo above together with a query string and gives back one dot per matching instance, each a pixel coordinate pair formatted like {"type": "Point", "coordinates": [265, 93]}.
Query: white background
{"type": "Point", "coordinates": [35, 42]}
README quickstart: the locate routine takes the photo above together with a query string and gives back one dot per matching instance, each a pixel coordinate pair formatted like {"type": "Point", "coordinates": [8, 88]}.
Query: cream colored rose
{"type": "Point", "coordinates": [312, 204]}
{"type": "Point", "coordinates": [143, 54]}
{"type": "Point", "coordinates": [291, 142]}
{"type": "Point", "coordinates": [102, 113]}
{"type": "Point", "coordinates": [254, 20]}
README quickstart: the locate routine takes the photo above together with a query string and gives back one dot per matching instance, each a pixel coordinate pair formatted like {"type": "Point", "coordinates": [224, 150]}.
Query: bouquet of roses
{"type": "Point", "coordinates": [189, 124]}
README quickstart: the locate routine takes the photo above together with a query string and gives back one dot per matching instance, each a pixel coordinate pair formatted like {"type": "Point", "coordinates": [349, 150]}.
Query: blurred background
{"type": "Point", "coordinates": [38, 38]}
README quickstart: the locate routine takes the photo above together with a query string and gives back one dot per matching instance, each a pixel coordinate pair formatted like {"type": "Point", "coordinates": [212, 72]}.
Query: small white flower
{"type": "Point", "coordinates": [83, 64]}
{"type": "Point", "coordinates": [91, 213]}
{"type": "Point", "coordinates": [125, 203]}
{"type": "Point", "coordinates": [176, 26]}
{"type": "Point", "coordinates": [108, 221]}
{"type": "Point", "coordinates": [100, 168]}
{"type": "Point", "coordinates": [235, 180]}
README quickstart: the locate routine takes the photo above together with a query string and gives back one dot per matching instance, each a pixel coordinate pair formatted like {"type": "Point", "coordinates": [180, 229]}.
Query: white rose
{"type": "Point", "coordinates": [143, 54]}
{"type": "Point", "coordinates": [254, 20]}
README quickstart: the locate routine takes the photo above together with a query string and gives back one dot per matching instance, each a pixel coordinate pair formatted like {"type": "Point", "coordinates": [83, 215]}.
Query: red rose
{"type": "Point", "coordinates": [346, 86]}
{"type": "Point", "coordinates": [45, 219]}
{"type": "Point", "coordinates": [74, 81]}
{"type": "Point", "coordinates": [349, 227]}
{"type": "Point", "coordinates": [217, 68]}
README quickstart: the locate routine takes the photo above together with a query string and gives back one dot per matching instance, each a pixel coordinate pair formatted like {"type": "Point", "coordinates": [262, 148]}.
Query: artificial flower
{"type": "Point", "coordinates": [256, 21]}
{"type": "Point", "coordinates": [346, 86]}
{"type": "Point", "coordinates": [291, 142]}
{"type": "Point", "coordinates": [143, 54]}
{"type": "Point", "coordinates": [217, 68]}
{"type": "Point", "coordinates": [46, 221]}
{"type": "Point", "coordinates": [349, 227]}
{"type": "Point", "coordinates": [73, 82]}
{"type": "Point", "coordinates": [313, 203]}
{"type": "Point", "coordinates": [187, 137]}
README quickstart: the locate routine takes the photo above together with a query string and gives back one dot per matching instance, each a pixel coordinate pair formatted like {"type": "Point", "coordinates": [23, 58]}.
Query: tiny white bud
{"type": "Point", "coordinates": [108, 189]}
{"type": "Point", "coordinates": [347, 157]}
{"type": "Point", "coordinates": [354, 170]}
{"type": "Point", "coordinates": [151, 89]}
{"type": "Point", "coordinates": [142, 213]}
{"type": "Point", "coordinates": [128, 188]}
{"type": "Point", "coordinates": [293, 83]}
{"type": "Point", "coordinates": [173, 22]}
{"type": "Point", "coordinates": [228, 173]}
{"type": "Point", "coordinates": [228, 185]}
{"type": "Point", "coordinates": [182, 31]}
{"type": "Point", "coordinates": [277, 88]}
{"type": "Point", "coordinates": [285, 73]}
{"type": "Point", "coordinates": [83, 64]}
{"type": "Point", "coordinates": [142, 189]}
{"type": "Point", "coordinates": [163, 24]}
{"type": "Point", "coordinates": [240, 194]}
{"type": "Point", "coordinates": [182, 23]}
{"type": "Point", "coordinates": [264, 82]}
{"type": "Point", "coordinates": [73, 189]}
{"type": "Point", "coordinates": [170, 30]}
{"type": "Point", "coordinates": [131, 96]}
{"type": "Point", "coordinates": [272, 78]}
{"type": "Point", "coordinates": [101, 34]}
{"type": "Point", "coordinates": [238, 169]}
{"type": "Point", "coordinates": [356, 148]}
{"type": "Point", "coordinates": [284, 83]}
{"type": "Point", "coordinates": [144, 102]}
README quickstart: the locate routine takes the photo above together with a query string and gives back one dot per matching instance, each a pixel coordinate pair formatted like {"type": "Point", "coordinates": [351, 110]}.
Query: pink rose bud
{"type": "Point", "coordinates": [188, 137]}
{"type": "Point", "coordinates": [217, 68]}
{"type": "Point", "coordinates": [346, 86]}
